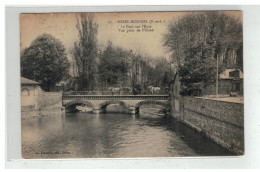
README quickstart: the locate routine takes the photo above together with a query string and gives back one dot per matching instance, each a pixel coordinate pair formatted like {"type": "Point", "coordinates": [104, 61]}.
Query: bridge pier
{"type": "Point", "coordinates": [131, 110]}
{"type": "Point", "coordinates": [96, 110]}
{"type": "Point", "coordinates": [137, 111]}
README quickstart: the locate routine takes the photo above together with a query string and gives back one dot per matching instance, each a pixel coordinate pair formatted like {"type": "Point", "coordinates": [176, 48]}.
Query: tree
{"type": "Point", "coordinates": [45, 61]}
{"type": "Point", "coordinates": [141, 72]}
{"type": "Point", "coordinates": [162, 68]}
{"type": "Point", "coordinates": [166, 79]}
{"type": "Point", "coordinates": [113, 66]}
{"type": "Point", "coordinates": [85, 52]}
{"type": "Point", "coordinates": [197, 40]}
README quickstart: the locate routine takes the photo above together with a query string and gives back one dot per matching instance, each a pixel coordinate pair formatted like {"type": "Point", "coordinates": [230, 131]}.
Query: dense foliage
{"type": "Point", "coordinates": [99, 69]}
{"type": "Point", "coordinates": [113, 66]}
{"type": "Point", "coordinates": [197, 40]}
{"type": "Point", "coordinates": [121, 68]}
{"type": "Point", "coordinates": [45, 61]}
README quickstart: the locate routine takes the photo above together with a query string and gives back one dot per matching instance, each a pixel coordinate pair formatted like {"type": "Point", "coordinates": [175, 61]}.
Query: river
{"type": "Point", "coordinates": [113, 135]}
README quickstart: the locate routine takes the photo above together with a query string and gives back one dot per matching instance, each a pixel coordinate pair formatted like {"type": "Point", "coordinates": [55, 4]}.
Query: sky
{"type": "Point", "coordinates": [111, 27]}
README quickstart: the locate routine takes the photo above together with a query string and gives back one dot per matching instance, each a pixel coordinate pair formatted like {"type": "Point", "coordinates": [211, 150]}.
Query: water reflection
{"type": "Point", "coordinates": [83, 135]}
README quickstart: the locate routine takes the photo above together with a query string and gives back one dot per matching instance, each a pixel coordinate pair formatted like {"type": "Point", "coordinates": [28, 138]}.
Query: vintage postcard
{"type": "Point", "coordinates": [132, 84]}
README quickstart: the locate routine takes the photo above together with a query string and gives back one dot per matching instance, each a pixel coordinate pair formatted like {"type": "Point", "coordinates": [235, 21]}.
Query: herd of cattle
{"type": "Point", "coordinates": [150, 90]}
{"type": "Point", "coordinates": [128, 90]}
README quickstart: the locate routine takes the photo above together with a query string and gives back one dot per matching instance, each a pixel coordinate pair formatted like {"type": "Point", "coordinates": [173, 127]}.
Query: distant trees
{"type": "Point", "coordinates": [197, 40]}
{"type": "Point", "coordinates": [85, 52]}
{"type": "Point", "coordinates": [45, 61]}
{"type": "Point", "coordinates": [113, 66]}
{"type": "Point", "coordinates": [146, 71]}
{"type": "Point", "coordinates": [140, 70]}
{"type": "Point", "coordinates": [162, 73]}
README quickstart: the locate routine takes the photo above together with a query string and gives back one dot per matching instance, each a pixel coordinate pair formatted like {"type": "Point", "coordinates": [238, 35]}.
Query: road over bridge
{"type": "Point", "coordinates": [99, 102]}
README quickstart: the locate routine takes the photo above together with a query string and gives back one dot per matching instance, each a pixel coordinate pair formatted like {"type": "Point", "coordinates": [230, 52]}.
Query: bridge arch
{"type": "Point", "coordinates": [104, 104]}
{"type": "Point", "coordinates": [148, 102]}
{"type": "Point", "coordinates": [100, 102]}
{"type": "Point", "coordinates": [72, 104]}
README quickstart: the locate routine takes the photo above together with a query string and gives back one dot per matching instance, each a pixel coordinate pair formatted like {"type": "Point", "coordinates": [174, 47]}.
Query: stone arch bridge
{"type": "Point", "coordinates": [99, 102]}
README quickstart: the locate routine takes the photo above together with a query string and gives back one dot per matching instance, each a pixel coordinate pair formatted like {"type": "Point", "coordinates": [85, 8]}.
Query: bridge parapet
{"type": "Point", "coordinates": [122, 97]}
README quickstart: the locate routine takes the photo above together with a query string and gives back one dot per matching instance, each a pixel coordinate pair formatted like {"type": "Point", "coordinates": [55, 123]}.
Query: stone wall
{"type": "Point", "coordinates": [221, 121]}
{"type": "Point", "coordinates": [49, 99]}
{"type": "Point", "coordinates": [47, 103]}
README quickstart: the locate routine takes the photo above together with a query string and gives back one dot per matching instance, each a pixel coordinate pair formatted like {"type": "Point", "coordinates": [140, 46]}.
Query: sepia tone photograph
{"type": "Point", "coordinates": [132, 84]}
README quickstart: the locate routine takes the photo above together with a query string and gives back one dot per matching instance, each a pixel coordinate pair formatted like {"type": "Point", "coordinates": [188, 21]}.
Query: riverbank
{"type": "Point", "coordinates": [48, 111]}
{"type": "Point", "coordinates": [221, 121]}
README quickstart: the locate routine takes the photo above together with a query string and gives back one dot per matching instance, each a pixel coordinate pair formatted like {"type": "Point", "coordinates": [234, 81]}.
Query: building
{"type": "Point", "coordinates": [30, 90]}
{"type": "Point", "coordinates": [232, 80]}
{"type": "Point", "coordinates": [230, 83]}
{"type": "Point", "coordinates": [36, 103]}
{"type": "Point", "coordinates": [61, 86]}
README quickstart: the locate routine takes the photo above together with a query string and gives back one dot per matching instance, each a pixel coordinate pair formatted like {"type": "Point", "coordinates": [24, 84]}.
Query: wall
{"type": "Point", "coordinates": [223, 122]}
{"type": "Point", "coordinates": [38, 103]}
{"type": "Point", "coordinates": [49, 100]}
{"type": "Point", "coordinates": [29, 95]}
{"type": "Point", "coordinates": [225, 87]}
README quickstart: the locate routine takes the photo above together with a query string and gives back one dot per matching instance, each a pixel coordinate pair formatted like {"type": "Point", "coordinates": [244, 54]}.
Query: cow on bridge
{"type": "Point", "coordinates": [154, 90]}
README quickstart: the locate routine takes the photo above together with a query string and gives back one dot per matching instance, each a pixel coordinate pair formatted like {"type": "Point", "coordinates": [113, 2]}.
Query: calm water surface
{"type": "Point", "coordinates": [83, 135]}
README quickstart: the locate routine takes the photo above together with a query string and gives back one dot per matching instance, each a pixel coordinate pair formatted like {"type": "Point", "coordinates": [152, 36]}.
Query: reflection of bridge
{"type": "Point", "coordinates": [99, 102]}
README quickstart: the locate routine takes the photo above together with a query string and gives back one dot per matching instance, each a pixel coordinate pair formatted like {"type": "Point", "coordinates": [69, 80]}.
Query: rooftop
{"type": "Point", "coordinates": [61, 83]}
{"type": "Point", "coordinates": [229, 74]}
{"type": "Point", "coordinates": [28, 81]}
